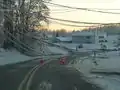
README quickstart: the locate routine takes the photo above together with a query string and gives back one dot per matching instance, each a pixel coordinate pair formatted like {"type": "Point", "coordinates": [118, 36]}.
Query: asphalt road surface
{"type": "Point", "coordinates": [57, 77]}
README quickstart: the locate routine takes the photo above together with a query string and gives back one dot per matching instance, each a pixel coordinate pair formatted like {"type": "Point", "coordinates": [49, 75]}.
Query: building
{"type": "Point", "coordinates": [64, 39]}
{"type": "Point", "coordinates": [90, 37]}
{"type": "Point", "coordinates": [101, 37]}
{"type": "Point", "coordinates": [83, 37]}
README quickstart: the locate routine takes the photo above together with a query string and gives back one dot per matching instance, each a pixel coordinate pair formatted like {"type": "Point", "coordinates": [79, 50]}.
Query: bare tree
{"type": "Point", "coordinates": [23, 17]}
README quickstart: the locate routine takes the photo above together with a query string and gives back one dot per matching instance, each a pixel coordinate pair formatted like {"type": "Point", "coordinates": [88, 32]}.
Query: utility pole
{"type": "Point", "coordinates": [22, 23]}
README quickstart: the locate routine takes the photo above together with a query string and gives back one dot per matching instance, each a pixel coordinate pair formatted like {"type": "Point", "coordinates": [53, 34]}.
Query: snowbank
{"type": "Point", "coordinates": [108, 61]}
{"type": "Point", "coordinates": [106, 82]}
{"type": "Point", "coordinates": [9, 57]}
{"type": "Point", "coordinates": [111, 62]}
{"type": "Point", "coordinates": [13, 56]}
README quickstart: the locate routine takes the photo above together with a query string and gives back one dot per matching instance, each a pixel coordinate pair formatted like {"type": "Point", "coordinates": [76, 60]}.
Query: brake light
{"type": "Point", "coordinates": [41, 61]}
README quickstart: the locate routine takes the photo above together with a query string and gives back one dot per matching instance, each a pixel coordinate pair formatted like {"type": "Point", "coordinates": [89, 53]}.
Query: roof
{"type": "Point", "coordinates": [50, 36]}
{"type": "Point", "coordinates": [83, 34]}
{"type": "Point", "coordinates": [64, 38]}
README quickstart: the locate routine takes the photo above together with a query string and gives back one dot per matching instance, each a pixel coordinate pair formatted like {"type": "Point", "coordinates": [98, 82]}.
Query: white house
{"type": "Point", "coordinates": [65, 39]}
{"type": "Point", "coordinates": [89, 37]}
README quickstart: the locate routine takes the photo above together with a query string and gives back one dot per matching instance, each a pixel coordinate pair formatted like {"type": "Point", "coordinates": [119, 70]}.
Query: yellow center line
{"type": "Point", "coordinates": [30, 75]}
{"type": "Point", "coordinates": [26, 77]}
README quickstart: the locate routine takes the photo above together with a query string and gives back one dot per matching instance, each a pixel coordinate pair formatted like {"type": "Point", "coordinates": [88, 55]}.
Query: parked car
{"type": "Point", "coordinates": [80, 46]}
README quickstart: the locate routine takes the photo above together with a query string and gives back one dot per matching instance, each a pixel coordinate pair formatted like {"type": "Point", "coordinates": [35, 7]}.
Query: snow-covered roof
{"type": "Point", "coordinates": [50, 36]}
{"type": "Point", "coordinates": [83, 34]}
{"type": "Point", "coordinates": [64, 38]}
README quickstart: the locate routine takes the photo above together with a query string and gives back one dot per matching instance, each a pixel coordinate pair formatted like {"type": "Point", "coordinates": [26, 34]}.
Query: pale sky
{"type": "Point", "coordinates": [86, 16]}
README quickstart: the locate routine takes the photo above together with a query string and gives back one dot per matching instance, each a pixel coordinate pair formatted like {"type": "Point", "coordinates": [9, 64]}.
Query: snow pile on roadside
{"type": "Point", "coordinates": [106, 82]}
{"type": "Point", "coordinates": [112, 63]}
{"type": "Point", "coordinates": [13, 56]}
{"type": "Point", "coordinates": [9, 57]}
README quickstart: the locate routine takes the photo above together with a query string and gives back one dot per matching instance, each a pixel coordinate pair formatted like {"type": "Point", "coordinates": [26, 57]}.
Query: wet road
{"type": "Point", "coordinates": [60, 76]}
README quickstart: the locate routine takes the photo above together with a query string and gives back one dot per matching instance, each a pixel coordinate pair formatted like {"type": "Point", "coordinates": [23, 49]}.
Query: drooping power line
{"type": "Point", "coordinates": [86, 9]}
{"type": "Point", "coordinates": [79, 22]}
{"type": "Point", "coordinates": [72, 25]}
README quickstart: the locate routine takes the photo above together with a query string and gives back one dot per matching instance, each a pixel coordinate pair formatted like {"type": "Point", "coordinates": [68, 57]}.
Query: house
{"type": "Point", "coordinates": [83, 37]}
{"type": "Point", "coordinates": [61, 39]}
{"type": "Point", "coordinates": [89, 37]}
{"type": "Point", "coordinates": [65, 39]}
{"type": "Point", "coordinates": [101, 37]}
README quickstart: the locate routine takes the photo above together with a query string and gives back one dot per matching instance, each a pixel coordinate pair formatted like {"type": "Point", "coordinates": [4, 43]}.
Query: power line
{"type": "Point", "coordinates": [105, 9]}
{"type": "Point", "coordinates": [79, 21]}
{"type": "Point", "coordinates": [64, 11]}
{"type": "Point", "coordinates": [86, 9]}
{"type": "Point", "coordinates": [72, 25]}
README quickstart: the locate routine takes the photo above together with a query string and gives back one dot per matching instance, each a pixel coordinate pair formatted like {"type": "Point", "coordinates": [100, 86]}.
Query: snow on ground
{"type": "Point", "coordinates": [111, 62]}
{"type": "Point", "coordinates": [57, 50]}
{"type": "Point", "coordinates": [13, 56]}
{"type": "Point", "coordinates": [107, 83]}
{"type": "Point", "coordinates": [86, 47]}
{"type": "Point", "coordinates": [9, 57]}
{"type": "Point", "coordinates": [72, 46]}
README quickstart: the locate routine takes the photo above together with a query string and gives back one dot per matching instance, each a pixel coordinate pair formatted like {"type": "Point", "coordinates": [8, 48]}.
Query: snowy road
{"type": "Point", "coordinates": [59, 77]}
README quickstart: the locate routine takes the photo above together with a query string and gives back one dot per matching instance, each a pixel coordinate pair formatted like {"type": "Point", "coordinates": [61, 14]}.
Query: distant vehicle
{"type": "Point", "coordinates": [41, 61]}
{"type": "Point", "coordinates": [80, 46]}
{"type": "Point", "coordinates": [63, 60]}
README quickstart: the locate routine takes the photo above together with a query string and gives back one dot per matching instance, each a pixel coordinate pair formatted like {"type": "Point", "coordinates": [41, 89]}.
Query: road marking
{"type": "Point", "coordinates": [33, 73]}
{"type": "Point", "coordinates": [26, 77]}
{"type": "Point", "coordinates": [29, 77]}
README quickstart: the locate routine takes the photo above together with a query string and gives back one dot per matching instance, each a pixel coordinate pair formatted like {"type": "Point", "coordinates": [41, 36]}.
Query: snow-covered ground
{"type": "Point", "coordinates": [86, 47]}
{"type": "Point", "coordinates": [9, 57]}
{"type": "Point", "coordinates": [110, 62]}
{"type": "Point", "coordinates": [13, 56]}
{"type": "Point", "coordinates": [72, 46]}
{"type": "Point", "coordinates": [57, 50]}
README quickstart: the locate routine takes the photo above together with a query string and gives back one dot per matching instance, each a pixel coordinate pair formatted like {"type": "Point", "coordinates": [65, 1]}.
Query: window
{"type": "Point", "coordinates": [101, 41]}
{"type": "Point", "coordinates": [88, 37]}
{"type": "Point", "coordinates": [106, 41]}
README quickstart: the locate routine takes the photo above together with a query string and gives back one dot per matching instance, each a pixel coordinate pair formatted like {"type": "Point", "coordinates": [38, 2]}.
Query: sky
{"type": "Point", "coordinates": [80, 15]}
